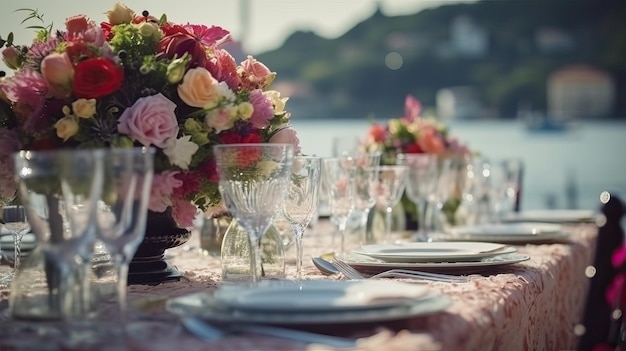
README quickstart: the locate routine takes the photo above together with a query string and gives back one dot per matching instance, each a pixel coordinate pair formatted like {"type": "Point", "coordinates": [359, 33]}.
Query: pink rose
{"type": "Point", "coordinates": [183, 212]}
{"type": "Point", "coordinates": [150, 121]}
{"type": "Point", "coordinates": [263, 110]}
{"type": "Point", "coordinates": [58, 71]}
{"type": "Point", "coordinates": [255, 74]}
{"type": "Point", "coordinates": [287, 135]}
{"type": "Point", "coordinates": [163, 185]}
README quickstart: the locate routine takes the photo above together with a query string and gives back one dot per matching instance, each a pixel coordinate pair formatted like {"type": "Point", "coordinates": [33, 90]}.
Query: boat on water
{"type": "Point", "coordinates": [540, 122]}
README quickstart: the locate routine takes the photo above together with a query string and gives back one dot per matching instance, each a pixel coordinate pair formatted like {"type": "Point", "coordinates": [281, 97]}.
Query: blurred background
{"type": "Point", "coordinates": [539, 80]}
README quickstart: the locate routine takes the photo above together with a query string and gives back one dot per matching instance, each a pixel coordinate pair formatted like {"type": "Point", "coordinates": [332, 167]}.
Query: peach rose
{"type": "Point", "coordinates": [430, 141]}
{"type": "Point", "coordinates": [256, 74]}
{"type": "Point", "coordinates": [58, 71]}
{"type": "Point", "coordinates": [76, 25]}
{"type": "Point", "coordinates": [150, 121]}
{"type": "Point", "coordinates": [199, 88]}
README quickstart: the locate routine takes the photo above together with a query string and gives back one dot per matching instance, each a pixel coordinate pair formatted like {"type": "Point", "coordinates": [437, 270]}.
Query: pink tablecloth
{"type": "Point", "coordinates": [532, 305]}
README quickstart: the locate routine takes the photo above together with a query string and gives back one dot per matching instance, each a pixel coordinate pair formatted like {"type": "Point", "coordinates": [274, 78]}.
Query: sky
{"type": "Point", "coordinates": [271, 21]}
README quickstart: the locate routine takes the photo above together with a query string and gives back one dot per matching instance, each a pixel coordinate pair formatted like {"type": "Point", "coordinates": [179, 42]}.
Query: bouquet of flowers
{"type": "Point", "coordinates": [138, 80]}
{"type": "Point", "coordinates": [413, 133]}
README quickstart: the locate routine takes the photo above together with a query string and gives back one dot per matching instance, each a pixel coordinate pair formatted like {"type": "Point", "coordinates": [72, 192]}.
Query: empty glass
{"type": "Point", "coordinates": [301, 200]}
{"type": "Point", "coordinates": [253, 180]}
{"type": "Point", "coordinates": [389, 189]}
{"type": "Point", "coordinates": [338, 174]}
{"type": "Point", "coordinates": [14, 227]}
{"type": "Point", "coordinates": [60, 191]}
{"type": "Point", "coordinates": [123, 208]}
{"type": "Point", "coordinates": [421, 184]}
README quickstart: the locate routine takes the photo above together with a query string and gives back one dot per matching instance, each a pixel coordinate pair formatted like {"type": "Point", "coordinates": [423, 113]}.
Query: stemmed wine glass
{"type": "Point", "coordinates": [421, 184]}
{"type": "Point", "coordinates": [338, 173]}
{"type": "Point", "coordinates": [253, 180]}
{"type": "Point", "coordinates": [301, 200]}
{"type": "Point", "coordinates": [60, 190]}
{"type": "Point", "coordinates": [365, 179]}
{"type": "Point", "coordinates": [123, 208]}
{"type": "Point", "coordinates": [389, 189]}
{"type": "Point", "coordinates": [15, 224]}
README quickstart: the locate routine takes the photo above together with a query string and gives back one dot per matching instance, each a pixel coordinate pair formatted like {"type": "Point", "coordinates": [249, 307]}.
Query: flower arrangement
{"type": "Point", "coordinates": [138, 80]}
{"type": "Point", "coordinates": [412, 133]}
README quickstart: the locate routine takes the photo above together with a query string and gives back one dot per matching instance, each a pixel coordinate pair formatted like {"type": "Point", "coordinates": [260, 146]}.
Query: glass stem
{"type": "Point", "coordinates": [17, 249]}
{"type": "Point", "coordinates": [365, 238]}
{"type": "Point", "coordinates": [388, 220]}
{"type": "Point", "coordinates": [299, 233]}
{"type": "Point", "coordinates": [122, 277]}
{"type": "Point", "coordinates": [255, 258]}
{"type": "Point", "coordinates": [341, 226]}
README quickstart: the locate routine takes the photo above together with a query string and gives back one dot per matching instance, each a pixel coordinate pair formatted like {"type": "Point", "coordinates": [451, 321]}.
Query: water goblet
{"type": "Point", "coordinates": [389, 189]}
{"type": "Point", "coordinates": [338, 174]}
{"type": "Point", "coordinates": [60, 190]}
{"type": "Point", "coordinates": [122, 210]}
{"type": "Point", "coordinates": [253, 180]}
{"type": "Point", "coordinates": [421, 184]}
{"type": "Point", "coordinates": [301, 199]}
{"type": "Point", "coordinates": [365, 180]}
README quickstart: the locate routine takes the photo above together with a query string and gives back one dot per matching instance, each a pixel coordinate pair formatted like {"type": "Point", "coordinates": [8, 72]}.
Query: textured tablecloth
{"type": "Point", "coordinates": [533, 305]}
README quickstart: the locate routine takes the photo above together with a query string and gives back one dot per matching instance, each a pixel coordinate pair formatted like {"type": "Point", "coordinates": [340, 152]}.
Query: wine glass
{"type": "Point", "coordinates": [301, 199]}
{"type": "Point", "coordinates": [338, 173]}
{"type": "Point", "coordinates": [420, 185]}
{"type": "Point", "coordinates": [60, 190]}
{"type": "Point", "coordinates": [122, 210]}
{"type": "Point", "coordinates": [365, 178]}
{"type": "Point", "coordinates": [15, 224]}
{"type": "Point", "coordinates": [253, 180]}
{"type": "Point", "coordinates": [389, 189]}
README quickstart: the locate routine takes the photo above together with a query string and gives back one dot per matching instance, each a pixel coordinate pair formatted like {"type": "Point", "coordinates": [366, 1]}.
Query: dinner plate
{"type": "Point", "coordinates": [370, 265]}
{"type": "Point", "coordinates": [205, 306]}
{"type": "Point", "coordinates": [506, 233]}
{"type": "Point", "coordinates": [433, 251]}
{"type": "Point", "coordinates": [552, 216]}
{"type": "Point", "coordinates": [318, 295]}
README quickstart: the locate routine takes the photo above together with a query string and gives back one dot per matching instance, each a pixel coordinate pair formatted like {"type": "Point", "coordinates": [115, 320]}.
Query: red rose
{"type": "Point", "coordinates": [96, 77]}
{"type": "Point", "coordinates": [231, 137]}
{"type": "Point", "coordinates": [413, 149]}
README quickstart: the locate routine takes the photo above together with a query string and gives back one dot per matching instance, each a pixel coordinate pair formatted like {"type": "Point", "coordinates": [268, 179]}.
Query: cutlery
{"type": "Point", "coordinates": [210, 332]}
{"type": "Point", "coordinates": [324, 266]}
{"type": "Point", "coordinates": [352, 273]}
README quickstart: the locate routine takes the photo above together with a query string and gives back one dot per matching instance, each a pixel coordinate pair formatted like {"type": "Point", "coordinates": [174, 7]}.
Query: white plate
{"type": "Point", "coordinates": [6, 242]}
{"type": "Point", "coordinates": [371, 265]}
{"type": "Point", "coordinates": [318, 295]}
{"type": "Point", "coordinates": [505, 233]}
{"type": "Point", "coordinates": [204, 305]}
{"type": "Point", "coordinates": [433, 251]}
{"type": "Point", "coordinates": [552, 216]}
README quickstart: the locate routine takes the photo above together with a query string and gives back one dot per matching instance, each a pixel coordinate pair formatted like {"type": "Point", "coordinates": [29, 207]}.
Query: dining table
{"type": "Point", "coordinates": [531, 305]}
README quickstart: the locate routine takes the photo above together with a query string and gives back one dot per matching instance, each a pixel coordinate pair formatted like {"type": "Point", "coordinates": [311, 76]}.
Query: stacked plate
{"type": "Point", "coordinates": [311, 302]}
{"type": "Point", "coordinates": [461, 257]}
{"type": "Point", "coordinates": [7, 241]}
{"type": "Point", "coordinates": [553, 216]}
{"type": "Point", "coordinates": [509, 233]}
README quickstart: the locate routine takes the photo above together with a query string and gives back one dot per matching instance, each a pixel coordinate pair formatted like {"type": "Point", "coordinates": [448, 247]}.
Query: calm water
{"type": "Point", "coordinates": [562, 169]}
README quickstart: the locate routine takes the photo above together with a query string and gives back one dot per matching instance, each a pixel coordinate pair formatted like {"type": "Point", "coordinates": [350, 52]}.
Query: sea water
{"type": "Point", "coordinates": [562, 169]}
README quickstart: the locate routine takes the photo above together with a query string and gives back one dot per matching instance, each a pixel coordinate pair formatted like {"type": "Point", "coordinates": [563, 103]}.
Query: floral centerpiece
{"type": "Point", "coordinates": [138, 80]}
{"type": "Point", "coordinates": [414, 133]}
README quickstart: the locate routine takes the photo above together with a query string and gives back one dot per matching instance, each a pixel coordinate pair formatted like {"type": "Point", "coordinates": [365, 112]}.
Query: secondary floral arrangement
{"type": "Point", "coordinates": [138, 80]}
{"type": "Point", "coordinates": [412, 133]}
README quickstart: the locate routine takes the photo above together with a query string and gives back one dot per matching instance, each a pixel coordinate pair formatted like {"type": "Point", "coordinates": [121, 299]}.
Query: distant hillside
{"type": "Point", "coordinates": [504, 48]}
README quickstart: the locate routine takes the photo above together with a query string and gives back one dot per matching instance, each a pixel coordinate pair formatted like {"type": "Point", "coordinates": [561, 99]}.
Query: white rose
{"type": "Point", "coordinates": [84, 108]}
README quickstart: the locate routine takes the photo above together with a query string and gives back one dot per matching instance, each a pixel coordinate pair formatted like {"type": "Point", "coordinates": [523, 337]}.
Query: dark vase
{"type": "Point", "coordinates": [149, 266]}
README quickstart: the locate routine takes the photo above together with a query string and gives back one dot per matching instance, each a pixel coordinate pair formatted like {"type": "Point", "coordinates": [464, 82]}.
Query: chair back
{"type": "Point", "coordinates": [599, 325]}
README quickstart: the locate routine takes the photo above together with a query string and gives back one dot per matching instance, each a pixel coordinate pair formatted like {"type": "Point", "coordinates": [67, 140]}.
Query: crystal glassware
{"type": "Point", "coordinates": [14, 224]}
{"type": "Point", "coordinates": [60, 190]}
{"type": "Point", "coordinates": [123, 208]}
{"type": "Point", "coordinates": [253, 180]}
{"type": "Point", "coordinates": [338, 173]}
{"type": "Point", "coordinates": [421, 184]}
{"type": "Point", "coordinates": [301, 200]}
{"type": "Point", "coordinates": [389, 189]}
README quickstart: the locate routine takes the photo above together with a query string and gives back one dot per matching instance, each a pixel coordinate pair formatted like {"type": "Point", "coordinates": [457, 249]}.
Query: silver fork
{"type": "Point", "coordinates": [352, 273]}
